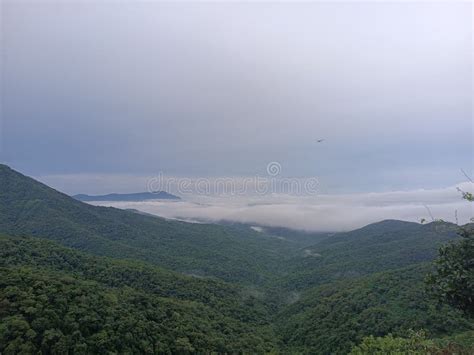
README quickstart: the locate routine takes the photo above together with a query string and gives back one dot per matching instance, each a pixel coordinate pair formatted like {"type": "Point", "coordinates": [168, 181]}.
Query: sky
{"type": "Point", "coordinates": [98, 95]}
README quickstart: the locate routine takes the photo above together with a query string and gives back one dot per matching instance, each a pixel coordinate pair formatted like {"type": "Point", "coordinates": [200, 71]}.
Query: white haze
{"type": "Point", "coordinates": [315, 213]}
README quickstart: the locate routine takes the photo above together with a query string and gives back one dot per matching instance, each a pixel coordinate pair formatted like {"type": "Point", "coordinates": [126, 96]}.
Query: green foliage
{"type": "Point", "coordinates": [332, 318]}
{"type": "Point", "coordinates": [387, 245]}
{"type": "Point", "coordinates": [468, 196]}
{"type": "Point", "coordinates": [57, 300]}
{"type": "Point", "coordinates": [246, 291]}
{"type": "Point", "coordinates": [463, 341]}
{"type": "Point", "coordinates": [415, 344]}
{"type": "Point", "coordinates": [237, 254]}
{"type": "Point", "coordinates": [452, 281]}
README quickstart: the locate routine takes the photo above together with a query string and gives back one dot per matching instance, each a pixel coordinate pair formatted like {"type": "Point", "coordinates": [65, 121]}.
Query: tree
{"type": "Point", "coordinates": [452, 281]}
{"type": "Point", "coordinates": [415, 344]}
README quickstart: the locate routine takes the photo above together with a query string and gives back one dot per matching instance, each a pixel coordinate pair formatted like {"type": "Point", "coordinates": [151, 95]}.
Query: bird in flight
{"type": "Point", "coordinates": [320, 140]}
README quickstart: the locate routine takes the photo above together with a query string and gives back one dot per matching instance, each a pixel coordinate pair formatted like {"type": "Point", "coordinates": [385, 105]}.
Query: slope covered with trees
{"type": "Point", "coordinates": [30, 208]}
{"type": "Point", "coordinates": [58, 300]}
{"type": "Point", "coordinates": [386, 245]}
{"type": "Point", "coordinates": [334, 317]}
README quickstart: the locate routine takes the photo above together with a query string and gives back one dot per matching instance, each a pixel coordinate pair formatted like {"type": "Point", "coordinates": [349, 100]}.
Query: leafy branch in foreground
{"type": "Point", "coordinates": [452, 281]}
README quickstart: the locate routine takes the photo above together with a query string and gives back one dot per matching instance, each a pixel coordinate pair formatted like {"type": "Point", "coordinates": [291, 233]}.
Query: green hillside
{"type": "Point", "coordinates": [333, 317]}
{"type": "Point", "coordinates": [57, 300]}
{"type": "Point", "coordinates": [386, 245]}
{"type": "Point", "coordinates": [29, 208]}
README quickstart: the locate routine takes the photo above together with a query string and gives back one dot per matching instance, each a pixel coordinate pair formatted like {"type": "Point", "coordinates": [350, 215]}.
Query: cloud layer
{"type": "Point", "coordinates": [316, 213]}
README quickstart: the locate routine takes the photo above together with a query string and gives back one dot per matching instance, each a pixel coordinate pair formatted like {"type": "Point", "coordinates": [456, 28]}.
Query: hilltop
{"type": "Point", "coordinates": [131, 197]}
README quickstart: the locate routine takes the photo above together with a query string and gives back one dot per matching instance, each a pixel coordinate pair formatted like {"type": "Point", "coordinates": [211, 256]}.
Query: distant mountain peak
{"type": "Point", "coordinates": [389, 224]}
{"type": "Point", "coordinates": [131, 197]}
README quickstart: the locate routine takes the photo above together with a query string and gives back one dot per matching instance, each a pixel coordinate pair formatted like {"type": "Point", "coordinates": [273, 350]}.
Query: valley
{"type": "Point", "coordinates": [91, 279]}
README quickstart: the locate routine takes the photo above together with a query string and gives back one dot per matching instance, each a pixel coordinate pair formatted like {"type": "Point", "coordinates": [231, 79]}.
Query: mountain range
{"type": "Point", "coordinates": [77, 278]}
{"type": "Point", "coordinates": [132, 197]}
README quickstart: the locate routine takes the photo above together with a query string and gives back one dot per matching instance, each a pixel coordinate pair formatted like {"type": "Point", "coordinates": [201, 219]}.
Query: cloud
{"type": "Point", "coordinates": [222, 89]}
{"type": "Point", "coordinates": [315, 213]}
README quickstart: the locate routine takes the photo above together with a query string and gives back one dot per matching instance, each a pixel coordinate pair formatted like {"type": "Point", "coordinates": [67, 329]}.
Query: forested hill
{"type": "Point", "coordinates": [30, 208]}
{"type": "Point", "coordinates": [57, 301]}
{"type": "Point", "coordinates": [333, 317]}
{"type": "Point", "coordinates": [386, 245]}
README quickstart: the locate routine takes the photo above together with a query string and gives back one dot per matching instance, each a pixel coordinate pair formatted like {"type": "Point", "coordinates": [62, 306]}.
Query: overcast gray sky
{"type": "Point", "coordinates": [221, 89]}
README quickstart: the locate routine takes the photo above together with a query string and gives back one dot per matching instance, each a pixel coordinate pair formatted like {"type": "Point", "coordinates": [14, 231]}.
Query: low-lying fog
{"type": "Point", "coordinates": [321, 212]}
